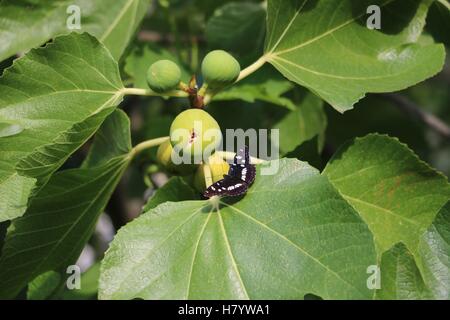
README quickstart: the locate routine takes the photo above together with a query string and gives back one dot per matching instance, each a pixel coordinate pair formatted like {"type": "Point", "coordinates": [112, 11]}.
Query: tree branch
{"type": "Point", "coordinates": [419, 113]}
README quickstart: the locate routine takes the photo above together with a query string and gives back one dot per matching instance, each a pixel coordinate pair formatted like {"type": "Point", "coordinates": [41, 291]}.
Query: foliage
{"type": "Point", "coordinates": [348, 193]}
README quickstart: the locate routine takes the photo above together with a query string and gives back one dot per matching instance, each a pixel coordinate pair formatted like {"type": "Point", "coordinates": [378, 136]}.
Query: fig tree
{"type": "Point", "coordinates": [220, 69]}
{"type": "Point", "coordinates": [163, 75]}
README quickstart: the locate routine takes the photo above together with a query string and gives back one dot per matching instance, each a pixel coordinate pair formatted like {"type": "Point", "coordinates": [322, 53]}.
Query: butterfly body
{"type": "Point", "coordinates": [239, 178]}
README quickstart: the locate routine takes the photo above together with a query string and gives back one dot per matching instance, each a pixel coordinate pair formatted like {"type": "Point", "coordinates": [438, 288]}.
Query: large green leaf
{"type": "Point", "coordinates": [294, 226]}
{"type": "Point", "coordinates": [25, 24]}
{"type": "Point", "coordinates": [434, 250]}
{"type": "Point", "coordinates": [308, 120]}
{"type": "Point", "coordinates": [237, 27]}
{"type": "Point", "coordinates": [59, 95]}
{"type": "Point", "coordinates": [400, 277]}
{"type": "Point", "coordinates": [396, 194]}
{"type": "Point", "coordinates": [61, 218]}
{"type": "Point", "coordinates": [326, 46]}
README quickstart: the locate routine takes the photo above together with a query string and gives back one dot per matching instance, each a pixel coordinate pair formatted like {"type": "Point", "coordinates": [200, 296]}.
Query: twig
{"type": "Point", "coordinates": [417, 112]}
{"type": "Point", "coordinates": [148, 92]}
{"type": "Point", "coordinates": [148, 144]}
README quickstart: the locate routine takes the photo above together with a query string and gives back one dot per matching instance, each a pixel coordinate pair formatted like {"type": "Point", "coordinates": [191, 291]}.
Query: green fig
{"type": "Point", "coordinates": [163, 75]}
{"type": "Point", "coordinates": [220, 69]}
{"type": "Point", "coordinates": [194, 135]}
{"type": "Point", "coordinates": [164, 158]}
{"type": "Point", "coordinates": [218, 167]}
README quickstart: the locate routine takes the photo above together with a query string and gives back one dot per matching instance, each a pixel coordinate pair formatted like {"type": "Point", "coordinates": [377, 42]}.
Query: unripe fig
{"type": "Point", "coordinates": [220, 69]}
{"type": "Point", "coordinates": [218, 167]}
{"type": "Point", "coordinates": [163, 75]}
{"type": "Point", "coordinates": [163, 156]}
{"type": "Point", "coordinates": [194, 135]}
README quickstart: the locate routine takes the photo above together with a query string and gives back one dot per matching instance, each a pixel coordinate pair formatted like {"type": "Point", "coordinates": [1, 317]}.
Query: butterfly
{"type": "Point", "coordinates": [239, 178]}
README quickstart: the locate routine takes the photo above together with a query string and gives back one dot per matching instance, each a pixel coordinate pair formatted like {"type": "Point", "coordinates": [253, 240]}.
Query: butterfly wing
{"type": "Point", "coordinates": [241, 167]}
{"type": "Point", "coordinates": [228, 186]}
{"type": "Point", "coordinates": [240, 176]}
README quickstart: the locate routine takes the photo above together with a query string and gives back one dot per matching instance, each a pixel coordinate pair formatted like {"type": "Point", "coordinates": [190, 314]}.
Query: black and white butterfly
{"type": "Point", "coordinates": [239, 178]}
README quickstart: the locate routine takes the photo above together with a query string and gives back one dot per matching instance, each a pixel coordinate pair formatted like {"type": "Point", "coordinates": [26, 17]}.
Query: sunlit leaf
{"type": "Point", "coordinates": [59, 95]}
{"type": "Point", "coordinates": [61, 218]}
{"type": "Point", "coordinates": [400, 276]}
{"type": "Point", "coordinates": [26, 24]}
{"type": "Point", "coordinates": [327, 47]}
{"type": "Point", "coordinates": [394, 192]}
{"type": "Point", "coordinates": [290, 235]}
{"type": "Point", "coordinates": [434, 251]}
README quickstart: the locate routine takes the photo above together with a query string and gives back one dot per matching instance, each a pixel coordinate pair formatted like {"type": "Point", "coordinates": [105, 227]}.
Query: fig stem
{"type": "Point", "coordinates": [148, 144]}
{"type": "Point", "coordinates": [229, 156]}
{"type": "Point", "coordinates": [252, 68]}
{"type": "Point", "coordinates": [148, 92]}
{"type": "Point", "coordinates": [207, 174]}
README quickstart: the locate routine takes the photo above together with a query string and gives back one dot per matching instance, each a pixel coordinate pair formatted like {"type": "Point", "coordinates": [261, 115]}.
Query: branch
{"type": "Point", "coordinates": [418, 113]}
{"type": "Point", "coordinates": [148, 92]}
{"type": "Point", "coordinates": [148, 144]}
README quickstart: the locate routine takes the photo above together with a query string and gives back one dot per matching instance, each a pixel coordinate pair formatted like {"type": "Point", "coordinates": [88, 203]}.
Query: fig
{"type": "Point", "coordinates": [220, 69]}
{"type": "Point", "coordinates": [194, 135]}
{"type": "Point", "coordinates": [163, 75]}
{"type": "Point", "coordinates": [218, 167]}
{"type": "Point", "coordinates": [164, 158]}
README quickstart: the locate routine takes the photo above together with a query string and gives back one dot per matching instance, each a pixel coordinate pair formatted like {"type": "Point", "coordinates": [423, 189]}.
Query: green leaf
{"type": "Point", "coordinates": [61, 218]}
{"type": "Point", "coordinates": [394, 192]}
{"type": "Point", "coordinates": [59, 95]}
{"type": "Point", "coordinates": [140, 59]}
{"type": "Point", "coordinates": [43, 285]}
{"type": "Point", "coordinates": [434, 249]}
{"type": "Point", "coordinates": [308, 152]}
{"type": "Point", "coordinates": [307, 121]}
{"type": "Point", "coordinates": [327, 47]}
{"type": "Point", "coordinates": [9, 129]}
{"type": "Point", "coordinates": [294, 226]}
{"type": "Point", "coordinates": [400, 277]}
{"type": "Point", "coordinates": [265, 85]}
{"type": "Point", "coordinates": [237, 27]}
{"type": "Point", "coordinates": [176, 189]}
{"type": "Point", "coordinates": [26, 24]}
